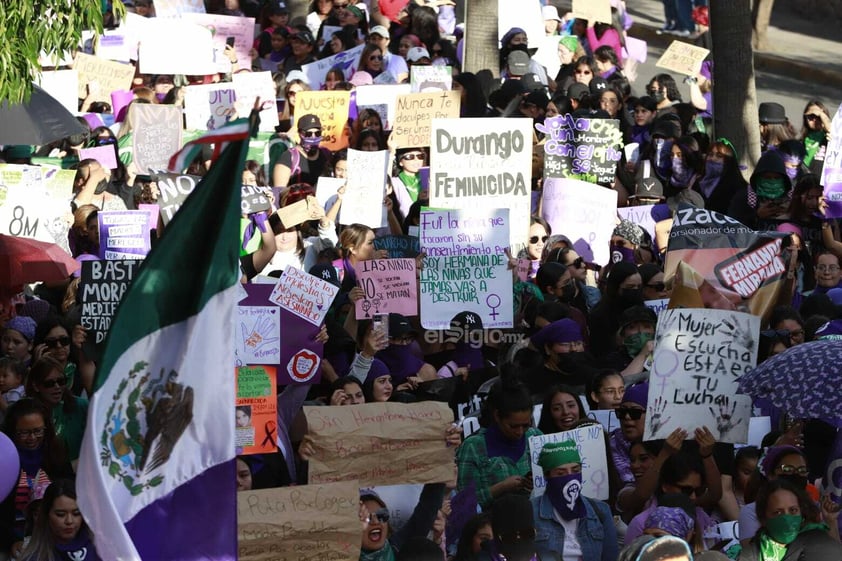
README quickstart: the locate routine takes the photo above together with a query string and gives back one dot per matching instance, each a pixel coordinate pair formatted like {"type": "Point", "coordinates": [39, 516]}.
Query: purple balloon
{"type": "Point", "coordinates": [9, 466]}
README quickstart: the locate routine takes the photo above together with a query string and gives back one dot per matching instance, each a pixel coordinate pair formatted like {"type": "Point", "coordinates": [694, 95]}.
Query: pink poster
{"type": "Point", "coordinates": [390, 287]}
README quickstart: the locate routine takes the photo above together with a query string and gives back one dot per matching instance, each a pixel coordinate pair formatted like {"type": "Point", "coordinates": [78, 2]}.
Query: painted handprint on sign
{"type": "Point", "coordinates": [739, 331]}
{"type": "Point", "coordinates": [260, 333]}
{"type": "Point", "coordinates": [725, 421]}
{"type": "Point", "coordinates": [656, 416]}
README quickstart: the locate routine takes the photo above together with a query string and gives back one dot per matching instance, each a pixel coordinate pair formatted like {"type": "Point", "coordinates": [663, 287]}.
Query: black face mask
{"type": "Point", "coordinates": [658, 96]}
{"type": "Point", "coordinates": [568, 292]}
{"type": "Point", "coordinates": [101, 186]}
{"type": "Point", "coordinates": [799, 481]}
{"type": "Point", "coordinates": [631, 296]}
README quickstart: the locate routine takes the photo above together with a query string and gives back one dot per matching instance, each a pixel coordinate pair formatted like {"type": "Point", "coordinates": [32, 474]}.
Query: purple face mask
{"type": "Point", "coordinates": [620, 253]}
{"type": "Point", "coordinates": [311, 142]}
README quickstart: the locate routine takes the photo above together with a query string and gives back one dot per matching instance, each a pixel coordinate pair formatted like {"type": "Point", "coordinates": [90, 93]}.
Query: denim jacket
{"type": "Point", "coordinates": [596, 532]}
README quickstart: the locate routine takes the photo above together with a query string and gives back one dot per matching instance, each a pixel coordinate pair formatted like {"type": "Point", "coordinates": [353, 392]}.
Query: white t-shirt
{"type": "Point", "coordinates": [572, 549]}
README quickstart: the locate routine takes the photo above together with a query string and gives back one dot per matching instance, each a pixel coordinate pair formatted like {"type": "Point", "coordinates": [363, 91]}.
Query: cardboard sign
{"type": "Point", "coordinates": [175, 46]}
{"type": "Point", "coordinates": [123, 234]}
{"type": "Point", "coordinates": [390, 287]}
{"type": "Point", "coordinates": [62, 85]}
{"type": "Point", "coordinates": [432, 78]}
{"type": "Point", "coordinates": [590, 442]}
{"type": "Point", "coordinates": [592, 10]}
{"type": "Point", "coordinates": [586, 149]}
{"type": "Point", "coordinates": [302, 211]}
{"type": "Point", "coordinates": [102, 286]}
{"type": "Point", "coordinates": [399, 246]}
{"type": "Point", "coordinates": [584, 212]}
{"type": "Point", "coordinates": [256, 420]}
{"type": "Point", "coordinates": [383, 98]}
{"type": "Point", "coordinates": [28, 210]}
{"type": "Point", "coordinates": [252, 85]}
{"type": "Point", "coordinates": [303, 294]}
{"type": "Point", "coordinates": [331, 107]}
{"type": "Point", "coordinates": [683, 58]}
{"type": "Point", "coordinates": [466, 267]}
{"type": "Point", "coordinates": [156, 135]}
{"type": "Point", "coordinates": [305, 523]}
{"type": "Point", "coordinates": [366, 184]}
{"type": "Point", "coordinates": [108, 75]}
{"type": "Point", "coordinates": [223, 27]}
{"type": "Point", "coordinates": [415, 113]}
{"type": "Point", "coordinates": [345, 61]}
{"type": "Point", "coordinates": [484, 164]}
{"type": "Point", "coordinates": [172, 191]}
{"type": "Point", "coordinates": [259, 334]}
{"type": "Point", "coordinates": [209, 106]}
{"type": "Point", "coordinates": [381, 443]}
{"type": "Point", "coordinates": [832, 169]}
{"type": "Point", "coordinates": [105, 155]}
{"type": "Point", "coordinates": [174, 8]}
{"type": "Point", "coordinates": [253, 199]}
{"type": "Point", "coordinates": [699, 356]}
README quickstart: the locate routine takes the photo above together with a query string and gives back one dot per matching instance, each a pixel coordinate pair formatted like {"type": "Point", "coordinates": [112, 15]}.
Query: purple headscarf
{"type": "Point", "coordinates": [672, 520]}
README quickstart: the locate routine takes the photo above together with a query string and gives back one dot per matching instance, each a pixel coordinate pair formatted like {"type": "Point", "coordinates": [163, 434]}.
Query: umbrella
{"type": "Point", "coordinates": [39, 121]}
{"type": "Point", "coordinates": [26, 260]}
{"type": "Point", "coordinates": [803, 380]}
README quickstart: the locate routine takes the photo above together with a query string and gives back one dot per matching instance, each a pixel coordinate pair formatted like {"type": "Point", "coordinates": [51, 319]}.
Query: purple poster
{"type": "Point", "coordinates": [123, 234]}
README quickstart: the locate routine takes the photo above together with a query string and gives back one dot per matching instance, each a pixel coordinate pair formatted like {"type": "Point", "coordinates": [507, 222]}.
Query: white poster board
{"type": "Point", "coordinates": [525, 14]}
{"type": "Point", "coordinates": [209, 106]}
{"type": "Point", "coordinates": [590, 442]}
{"type": "Point", "coordinates": [699, 356]}
{"type": "Point", "coordinates": [465, 268]}
{"type": "Point", "coordinates": [346, 61]}
{"type": "Point", "coordinates": [483, 164]}
{"type": "Point", "coordinates": [174, 46]}
{"type": "Point", "coordinates": [365, 189]}
{"type": "Point", "coordinates": [584, 212]}
{"type": "Point", "coordinates": [383, 98]}
{"type": "Point", "coordinates": [251, 85]}
{"type": "Point", "coordinates": [62, 85]}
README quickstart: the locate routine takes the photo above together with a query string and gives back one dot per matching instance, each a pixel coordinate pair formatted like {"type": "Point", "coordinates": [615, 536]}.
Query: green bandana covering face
{"type": "Point", "coordinates": [554, 454]}
{"type": "Point", "coordinates": [635, 343]}
{"type": "Point", "coordinates": [784, 528]}
{"type": "Point", "coordinates": [412, 183]}
{"type": "Point", "coordinates": [770, 189]}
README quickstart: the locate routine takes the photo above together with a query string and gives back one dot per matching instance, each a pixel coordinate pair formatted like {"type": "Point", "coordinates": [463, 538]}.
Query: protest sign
{"type": "Point", "coordinates": [699, 356]}
{"type": "Point", "coordinates": [590, 442]}
{"type": "Point", "coordinates": [62, 85]}
{"type": "Point", "coordinates": [305, 523]}
{"type": "Point", "coordinates": [209, 106]}
{"type": "Point", "coordinates": [252, 85]}
{"type": "Point", "coordinates": [365, 186]}
{"type": "Point", "coordinates": [328, 31]}
{"type": "Point", "coordinates": [345, 61]}
{"type": "Point", "coordinates": [107, 74]}
{"type": "Point", "coordinates": [331, 107]}
{"type": "Point", "coordinates": [584, 212]}
{"type": "Point", "coordinates": [605, 417]}
{"type": "Point", "coordinates": [223, 28]}
{"type": "Point", "coordinates": [586, 149]}
{"type": "Point", "coordinates": [123, 234]}
{"type": "Point", "coordinates": [401, 501]}
{"type": "Point", "coordinates": [399, 246]}
{"type": "Point", "coordinates": [307, 296]}
{"type": "Point", "coordinates": [723, 263]}
{"type": "Point", "coordinates": [389, 287]}
{"type": "Point", "coordinates": [301, 354]}
{"type": "Point", "coordinates": [301, 211]}
{"type": "Point", "coordinates": [643, 215]}
{"type": "Point", "coordinates": [383, 98]}
{"type": "Point", "coordinates": [415, 113]}
{"type": "Point", "coordinates": [430, 78]}
{"type": "Point", "coordinates": [683, 58]}
{"type": "Point", "coordinates": [525, 14]}
{"type": "Point", "coordinates": [466, 267]}
{"type": "Point", "coordinates": [173, 189]}
{"type": "Point", "coordinates": [112, 44]}
{"type": "Point", "coordinates": [106, 155]}
{"type": "Point", "coordinates": [26, 208]}
{"type": "Point", "coordinates": [523, 268]}
{"type": "Point", "coordinates": [174, 8]}
{"type": "Point", "coordinates": [102, 286]}
{"type": "Point", "coordinates": [832, 169]}
{"type": "Point", "coordinates": [657, 306]}
{"type": "Point", "coordinates": [156, 135]}
{"type": "Point", "coordinates": [483, 164]}
{"type": "Point", "coordinates": [381, 443]}
{"type": "Point", "coordinates": [592, 10]}
{"type": "Point", "coordinates": [176, 46]}
{"type": "Point", "coordinates": [326, 191]}
{"type": "Point", "coordinates": [253, 199]}
{"type": "Point", "coordinates": [259, 333]}
{"type": "Point", "coordinates": [256, 410]}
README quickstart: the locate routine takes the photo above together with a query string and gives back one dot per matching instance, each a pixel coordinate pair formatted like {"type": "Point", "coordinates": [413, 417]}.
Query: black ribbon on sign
{"type": "Point", "coordinates": [269, 429]}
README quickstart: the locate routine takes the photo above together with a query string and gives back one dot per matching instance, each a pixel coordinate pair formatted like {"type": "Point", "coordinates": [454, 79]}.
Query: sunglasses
{"type": "Point", "coordinates": [577, 263]}
{"type": "Point", "coordinates": [659, 286]}
{"type": "Point", "coordinates": [784, 334]}
{"type": "Point", "coordinates": [57, 342]}
{"type": "Point", "coordinates": [689, 490]}
{"type": "Point", "coordinates": [534, 239]}
{"type": "Point", "coordinates": [630, 413]}
{"type": "Point", "coordinates": [381, 515]}
{"type": "Point", "coordinates": [517, 536]}
{"type": "Point", "coordinates": [812, 117]}
{"type": "Point", "coordinates": [310, 134]}
{"type": "Point", "coordinates": [55, 382]}
{"type": "Point", "coordinates": [375, 57]}
{"type": "Point", "coordinates": [412, 157]}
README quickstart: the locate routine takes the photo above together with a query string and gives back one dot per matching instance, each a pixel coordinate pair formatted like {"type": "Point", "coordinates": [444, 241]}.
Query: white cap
{"type": "Point", "coordinates": [379, 30]}
{"type": "Point", "coordinates": [550, 12]}
{"type": "Point", "coordinates": [298, 75]}
{"type": "Point", "coordinates": [417, 53]}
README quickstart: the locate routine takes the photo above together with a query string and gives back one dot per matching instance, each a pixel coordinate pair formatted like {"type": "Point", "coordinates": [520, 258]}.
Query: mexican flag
{"type": "Point", "coordinates": [156, 474]}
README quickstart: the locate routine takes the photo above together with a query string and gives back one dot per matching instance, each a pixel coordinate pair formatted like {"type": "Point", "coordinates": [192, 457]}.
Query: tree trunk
{"type": "Point", "coordinates": [761, 13]}
{"type": "Point", "coordinates": [734, 93]}
{"type": "Point", "coordinates": [481, 43]}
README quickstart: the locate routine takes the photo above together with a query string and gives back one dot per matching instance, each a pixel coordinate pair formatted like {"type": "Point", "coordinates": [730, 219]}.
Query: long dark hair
{"type": "Point", "coordinates": [809, 510]}
{"type": "Point", "coordinates": [42, 546]}
{"type": "Point", "coordinates": [39, 371]}
{"type": "Point", "coordinates": [507, 396]}
{"type": "Point", "coordinates": [466, 539]}
{"type": "Point", "coordinates": [54, 459]}
{"type": "Point", "coordinates": [546, 423]}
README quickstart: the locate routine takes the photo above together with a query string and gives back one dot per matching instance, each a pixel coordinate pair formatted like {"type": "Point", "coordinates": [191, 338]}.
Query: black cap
{"type": "Point", "coordinates": [648, 188]}
{"type": "Point", "coordinates": [277, 7]}
{"type": "Point", "coordinates": [304, 35]}
{"type": "Point", "coordinates": [326, 273]}
{"type": "Point", "coordinates": [518, 63]}
{"type": "Point", "coordinates": [772, 113]}
{"type": "Point", "coordinates": [399, 326]}
{"type": "Point", "coordinates": [578, 91]}
{"type": "Point", "coordinates": [309, 121]}
{"type": "Point", "coordinates": [466, 321]}
{"type": "Point", "coordinates": [637, 313]}
{"type": "Point", "coordinates": [598, 85]}
{"type": "Point", "coordinates": [531, 82]}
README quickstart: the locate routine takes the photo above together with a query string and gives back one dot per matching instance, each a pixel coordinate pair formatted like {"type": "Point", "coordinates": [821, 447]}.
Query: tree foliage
{"type": "Point", "coordinates": [31, 27]}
